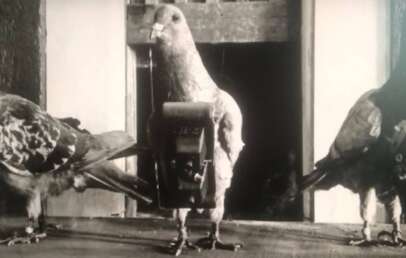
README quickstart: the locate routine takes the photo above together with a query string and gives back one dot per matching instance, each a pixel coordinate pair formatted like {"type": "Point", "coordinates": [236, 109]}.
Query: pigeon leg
{"type": "Point", "coordinates": [30, 236]}
{"type": "Point", "coordinates": [367, 210]}
{"type": "Point", "coordinates": [394, 209]}
{"type": "Point", "coordinates": [43, 226]}
{"type": "Point", "coordinates": [212, 241]}
{"type": "Point", "coordinates": [182, 240]}
{"type": "Point", "coordinates": [395, 212]}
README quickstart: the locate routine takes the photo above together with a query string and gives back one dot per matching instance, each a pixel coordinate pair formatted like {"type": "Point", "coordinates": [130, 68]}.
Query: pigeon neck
{"type": "Point", "coordinates": [391, 100]}
{"type": "Point", "coordinates": [188, 77]}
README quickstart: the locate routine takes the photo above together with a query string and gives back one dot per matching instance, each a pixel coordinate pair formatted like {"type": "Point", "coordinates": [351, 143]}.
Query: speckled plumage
{"type": "Point", "coordinates": [41, 155]}
{"type": "Point", "coordinates": [31, 140]}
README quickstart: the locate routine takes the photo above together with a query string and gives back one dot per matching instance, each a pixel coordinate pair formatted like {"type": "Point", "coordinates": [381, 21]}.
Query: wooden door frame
{"type": "Point", "coordinates": [397, 9]}
{"type": "Point", "coordinates": [307, 96]}
{"type": "Point", "coordinates": [307, 88]}
{"type": "Point", "coordinates": [42, 34]}
{"type": "Point", "coordinates": [307, 92]}
{"type": "Point", "coordinates": [131, 120]}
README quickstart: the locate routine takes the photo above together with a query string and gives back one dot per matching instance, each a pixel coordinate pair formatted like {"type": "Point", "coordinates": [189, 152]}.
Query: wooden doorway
{"type": "Point", "coordinates": [262, 71]}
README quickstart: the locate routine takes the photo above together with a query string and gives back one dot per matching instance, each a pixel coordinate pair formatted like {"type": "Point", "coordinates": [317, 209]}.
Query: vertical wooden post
{"type": "Point", "coordinates": [131, 119]}
{"type": "Point", "coordinates": [397, 44]}
{"type": "Point", "coordinates": [42, 37]}
{"type": "Point", "coordinates": [22, 62]}
{"type": "Point", "coordinates": [398, 9]}
{"type": "Point", "coordinates": [307, 63]}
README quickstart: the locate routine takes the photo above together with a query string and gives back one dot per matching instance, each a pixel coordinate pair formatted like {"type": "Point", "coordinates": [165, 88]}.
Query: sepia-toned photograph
{"type": "Point", "coordinates": [202, 128]}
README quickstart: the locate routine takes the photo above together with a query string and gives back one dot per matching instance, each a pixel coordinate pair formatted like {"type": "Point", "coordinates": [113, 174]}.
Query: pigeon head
{"type": "Point", "coordinates": [170, 26]}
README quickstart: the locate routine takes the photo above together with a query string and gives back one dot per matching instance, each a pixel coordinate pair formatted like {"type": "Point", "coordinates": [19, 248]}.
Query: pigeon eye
{"type": "Point", "coordinates": [175, 17]}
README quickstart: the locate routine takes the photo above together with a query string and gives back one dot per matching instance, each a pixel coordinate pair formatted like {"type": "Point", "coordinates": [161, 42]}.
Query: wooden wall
{"type": "Point", "coordinates": [22, 43]}
{"type": "Point", "coordinates": [22, 62]}
{"type": "Point", "coordinates": [223, 22]}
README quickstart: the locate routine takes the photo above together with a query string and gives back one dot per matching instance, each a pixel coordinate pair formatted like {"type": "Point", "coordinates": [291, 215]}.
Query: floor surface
{"type": "Point", "coordinates": [146, 237]}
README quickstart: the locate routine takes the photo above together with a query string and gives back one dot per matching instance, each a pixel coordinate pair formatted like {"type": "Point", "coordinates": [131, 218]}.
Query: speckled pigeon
{"type": "Point", "coordinates": [43, 156]}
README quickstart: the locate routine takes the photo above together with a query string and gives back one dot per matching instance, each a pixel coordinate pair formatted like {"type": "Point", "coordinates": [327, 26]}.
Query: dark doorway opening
{"type": "Point", "coordinates": [264, 78]}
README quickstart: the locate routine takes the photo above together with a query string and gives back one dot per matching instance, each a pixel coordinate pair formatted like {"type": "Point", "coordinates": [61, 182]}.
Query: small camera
{"type": "Point", "coordinates": [185, 167]}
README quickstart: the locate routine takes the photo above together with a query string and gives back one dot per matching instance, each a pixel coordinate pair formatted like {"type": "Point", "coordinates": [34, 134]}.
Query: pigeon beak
{"type": "Point", "coordinates": [156, 31]}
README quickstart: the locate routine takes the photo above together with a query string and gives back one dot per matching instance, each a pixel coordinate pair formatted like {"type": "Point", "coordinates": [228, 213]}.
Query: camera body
{"type": "Point", "coordinates": [185, 171]}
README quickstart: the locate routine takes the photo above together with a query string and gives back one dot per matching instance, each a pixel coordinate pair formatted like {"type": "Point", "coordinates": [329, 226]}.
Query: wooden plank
{"type": "Point", "coordinates": [223, 22]}
{"type": "Point", "coordinates": [131, 120]}
{"type": "Point", "coordinates": [398, 9]}
{"type": "Point", "coordinates": [307, 49]}
{"type": "Point", "coordinates": [151, 2]}
{"type": "Point", "coordinates": [42, 39]}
